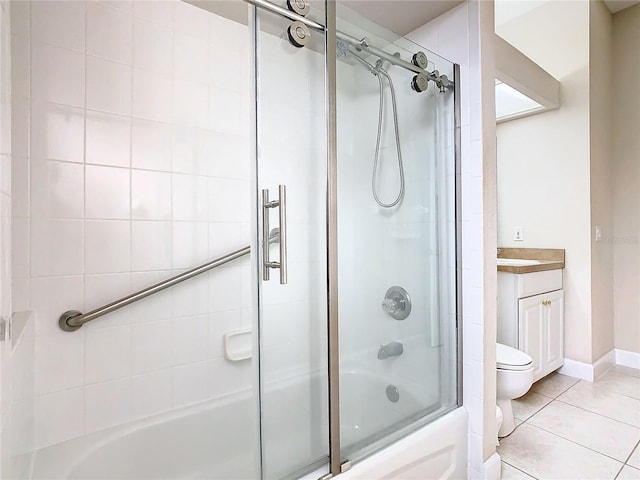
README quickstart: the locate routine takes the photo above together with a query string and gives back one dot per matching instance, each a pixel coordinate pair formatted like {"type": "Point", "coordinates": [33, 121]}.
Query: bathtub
{"type": "Point", "coordinates": [218, 440]}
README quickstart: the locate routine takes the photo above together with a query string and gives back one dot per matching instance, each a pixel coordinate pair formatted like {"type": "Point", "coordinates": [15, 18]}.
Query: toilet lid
{"type": "Point", "coordinates": [509, 358]}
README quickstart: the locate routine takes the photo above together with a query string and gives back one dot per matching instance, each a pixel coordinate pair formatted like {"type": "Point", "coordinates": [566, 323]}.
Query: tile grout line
{"type": "Point", "coordinates": [596, 413]}
{"type": "Point", "coordinates": [520, 470]}
{"type": "Point", "coordinates": [578, 444]}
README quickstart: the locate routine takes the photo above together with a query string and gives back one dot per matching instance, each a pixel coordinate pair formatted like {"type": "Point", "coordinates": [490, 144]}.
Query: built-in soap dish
{"type": "Point", "coordinates": [238, 345]}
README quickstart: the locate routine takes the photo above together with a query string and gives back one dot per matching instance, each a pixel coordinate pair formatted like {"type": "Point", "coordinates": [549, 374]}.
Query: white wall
{"type": "Point", "coordinates": [464, 35]}
{"type": "Point", "coordinates": [626, 180]}
{"type": "Point", "coordinates": [543, 160]}
{"type": "Point", "coordinates": [131, 137]}
{"type": "Point", "coordinates": [17, 345]}
{"type": "Point", "coordinates": [600, 77]}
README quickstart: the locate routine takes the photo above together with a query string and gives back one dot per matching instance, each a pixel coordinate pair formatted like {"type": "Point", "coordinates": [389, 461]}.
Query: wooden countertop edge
{"type": "Point", "coordinates": [531, 268]}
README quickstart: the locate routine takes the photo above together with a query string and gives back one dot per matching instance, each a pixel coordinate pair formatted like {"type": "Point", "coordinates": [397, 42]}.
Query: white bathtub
{"type": "Point", "coordinates": [215, 440]}
{"type": "Point", "coordinates": [218, 440]}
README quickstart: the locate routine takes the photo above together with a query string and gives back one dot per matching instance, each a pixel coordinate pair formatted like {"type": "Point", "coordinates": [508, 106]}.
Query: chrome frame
{"type": "Point", "coordinates": [335, 461]}
{"type": "Point", "coordinates": [458, 225]}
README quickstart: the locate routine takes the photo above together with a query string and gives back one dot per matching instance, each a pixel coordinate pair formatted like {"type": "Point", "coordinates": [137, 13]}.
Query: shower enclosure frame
{"type": "Point", "coordinates": [331, 35]}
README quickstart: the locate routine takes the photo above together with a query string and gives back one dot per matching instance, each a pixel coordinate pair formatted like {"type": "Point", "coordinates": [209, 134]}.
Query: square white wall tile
{"type": "Point", "coordinates": [228, 112]}
{"type": "Point", "coordinates": [107, 192]}
{"type": "Point", "coordinates": [57, 189]}
{"type": "Point", "coordinates": [19, 124]}
{"type": "Point", "coordinates": [190, 198]}
{"type": "Point", "coordinates": [190, 339]}
{"type": "Point", "coordinates": [156, 307]}
{"type": "Point", "coordinates": [191, 20]}
{"type": "Point", "coordinates": [225, 238]}
{"type": "Point", "coordinates": [192, 383]}
{"type": "Point", "coordinates": [107, 246]}
{"type": "Point", "coordinates": [59, 416]}
{"type": "Point", "coordinates": [56, 247]}
{"type": "Point", "coordinates": [59, 23]}
{"type": "Point", "coordinates": [107, 354]}
{"type": "Point", "coordinates": [225, 192]}
{"type": "Point", "coordinates": [150, 245]}
{"type": "Point", "coordinates": [231, 376]}
{"type": "Point", "coordinates": [52, 296]}
{"type": "Point", "coordinates": [107, 404]}
{"type": "Point", "coordinates": [108, 139]}
{"type": "Point", "coordinates": [152, 46]}
{"type": "Point", "coordinates": [109, 32]}
{"type": "Point", "coordinates": [108, 86]}
{"type": "Point", "coordinates": [191, 298]}
{"type": "Point", "coordinates": [153, 342]}
{"type": "Point", "coordinates": [236, 79]}
{"type": "Point", "coordinates": [19, 247]}
{"type": "Point", "coordinates": [59, 362]}
{"type": "Point", "coordinates": [229, 156]}
{"type": "Point", "coordinates": [151, 393]}
{"type": "Point", "coordinates": [156, 11]}
{"type": "Point", "coordinates": [57, 132]}
{"type": "Point", "coordinates": [20, 186]}
{"type": "Point", "coordinates": [190, 244]}
{"type": "Point", "coordinates": [57, 75]}
{"type": "Point", "coordinates": [151, 145]}
{"type": "Point", "coordinates": [190, 103]}
{"type": "Point", "coordinates": [190, 58]}
{"type": "Point", "coordinates": [103, 289]}
{"type": "Point", "coordinates": [150, 195]}
{"type": "Point", "coordinates": [152, 96]}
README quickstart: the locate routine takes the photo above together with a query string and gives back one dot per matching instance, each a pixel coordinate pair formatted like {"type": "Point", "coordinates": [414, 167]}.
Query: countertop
{"type": "Point", "coordinates": [549, 258]}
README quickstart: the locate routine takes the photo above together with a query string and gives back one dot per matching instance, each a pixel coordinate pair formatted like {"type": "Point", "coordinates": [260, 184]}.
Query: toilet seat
{"type": "Point", "coordinates": [509, 358]}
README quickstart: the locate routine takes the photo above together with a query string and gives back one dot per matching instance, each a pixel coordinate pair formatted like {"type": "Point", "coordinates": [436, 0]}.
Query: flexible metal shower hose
{"type": "Point", "coordinates": [400, 196]}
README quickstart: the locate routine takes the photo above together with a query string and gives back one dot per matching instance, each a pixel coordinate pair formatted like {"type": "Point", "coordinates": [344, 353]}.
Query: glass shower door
{"type": "Point", "coordinates": [291, 197]}
{"type": "Point", "coordinates": [396, 241]}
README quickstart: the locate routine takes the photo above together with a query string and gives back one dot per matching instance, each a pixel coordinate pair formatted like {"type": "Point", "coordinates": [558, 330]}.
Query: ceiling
{"type": "Point", "coordinates": [401, 16]}
{"type": "Point", "coordinates": [617, 5]}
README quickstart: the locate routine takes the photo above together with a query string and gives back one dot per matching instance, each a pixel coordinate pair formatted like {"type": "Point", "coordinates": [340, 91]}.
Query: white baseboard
{"type": "Point", "coordinates": [575, 369]}
{"type": "Point", "coordinates": [604, 363]}
{"type": "Point", "coordinates": [588, 371]}
{"type": "Point", "coordinates": [627, 359]}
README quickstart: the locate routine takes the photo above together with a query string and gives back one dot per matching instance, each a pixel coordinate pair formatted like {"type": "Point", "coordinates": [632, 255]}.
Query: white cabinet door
{"type": "Point", "coordinates": [554, 320]}
{"type": "Point", "coordinates": [530, 331]}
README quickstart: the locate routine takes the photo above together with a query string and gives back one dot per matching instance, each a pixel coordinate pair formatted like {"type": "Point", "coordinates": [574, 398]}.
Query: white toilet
{"type": "Point", "coordinates": [514, 379]}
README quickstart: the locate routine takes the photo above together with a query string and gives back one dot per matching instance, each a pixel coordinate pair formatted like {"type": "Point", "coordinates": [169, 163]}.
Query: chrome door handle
{"type": "Point", "coordinates": [267, 264]}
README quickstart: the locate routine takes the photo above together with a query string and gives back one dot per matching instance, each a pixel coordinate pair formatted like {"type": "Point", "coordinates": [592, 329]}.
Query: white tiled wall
{"type": "Point", "coordinates": [17, 346]}
{"type": "Point", "coordinates": [132, 163]}
{"type": "Point", "coordinates": [459, 35]}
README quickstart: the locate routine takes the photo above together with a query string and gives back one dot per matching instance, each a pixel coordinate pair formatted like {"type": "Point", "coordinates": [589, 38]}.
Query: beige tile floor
{"type": "Point", "coordinates": [569, 429]}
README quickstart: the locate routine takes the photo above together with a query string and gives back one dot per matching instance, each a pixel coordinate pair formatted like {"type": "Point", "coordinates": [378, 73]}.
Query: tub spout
{"type": "Point", "coordinates": [392, 349]}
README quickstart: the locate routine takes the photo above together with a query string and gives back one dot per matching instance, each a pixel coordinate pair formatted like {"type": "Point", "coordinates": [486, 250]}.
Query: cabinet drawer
{"type": "Point", "coordinates": [539, 282]}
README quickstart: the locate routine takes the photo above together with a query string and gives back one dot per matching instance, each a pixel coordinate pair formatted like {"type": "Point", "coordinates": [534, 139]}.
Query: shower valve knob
{"type": "Point", "coordinates": [420, 82]}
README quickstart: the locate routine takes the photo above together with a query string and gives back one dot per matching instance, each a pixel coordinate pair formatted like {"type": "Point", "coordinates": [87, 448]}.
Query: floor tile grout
{"type": "Point", "coordinates": [623, 462]}
{"type": "Point", "coordinates": [526, 421]}
{"type": "Point", "coordinates": [596, 413]}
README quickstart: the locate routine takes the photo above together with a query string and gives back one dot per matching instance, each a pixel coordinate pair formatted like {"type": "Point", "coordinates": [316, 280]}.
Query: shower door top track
{"type": "Point", "coordinates": [362, 44]}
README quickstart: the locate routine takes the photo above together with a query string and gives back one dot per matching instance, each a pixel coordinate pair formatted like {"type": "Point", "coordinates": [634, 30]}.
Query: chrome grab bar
{"type": "Point", "coordinates": [281, 203]}
{"type": "Point", "coordinates": [72, 320]}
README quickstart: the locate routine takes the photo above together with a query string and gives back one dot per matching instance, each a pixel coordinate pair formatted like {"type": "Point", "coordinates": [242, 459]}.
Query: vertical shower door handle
{"type": "Point", "coordinates": [281, 203]}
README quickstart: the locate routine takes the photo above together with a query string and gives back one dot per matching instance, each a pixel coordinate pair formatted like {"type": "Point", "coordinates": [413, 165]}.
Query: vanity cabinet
{"type": "Point", "coordinates": [531, 317]}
